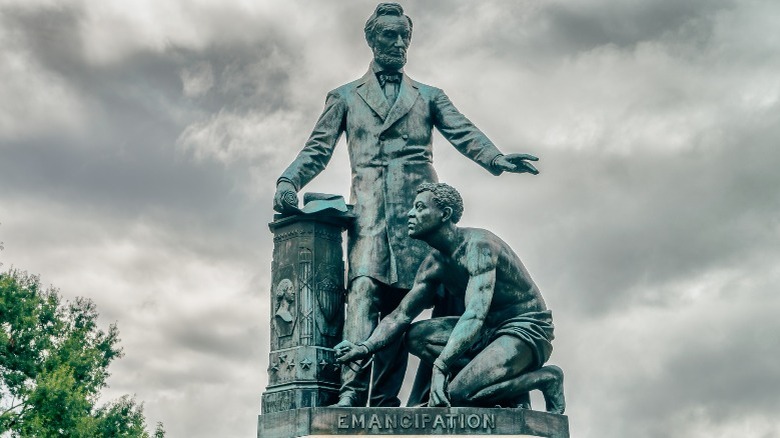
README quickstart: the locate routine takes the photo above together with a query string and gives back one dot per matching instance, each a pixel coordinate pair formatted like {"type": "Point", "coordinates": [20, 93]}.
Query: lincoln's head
{"type": "Point", "coordinates": [388, 33]}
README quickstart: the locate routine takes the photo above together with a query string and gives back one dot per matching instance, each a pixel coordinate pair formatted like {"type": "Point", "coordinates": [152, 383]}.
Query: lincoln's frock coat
{"type": "Point", "coordinates": [391, 153]}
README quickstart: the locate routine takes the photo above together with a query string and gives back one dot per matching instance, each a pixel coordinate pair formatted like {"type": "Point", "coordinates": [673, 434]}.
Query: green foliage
{"type": "Point", "coordinates": [53, 365]}
{"type": "Point", "coordinates": [159, 432]}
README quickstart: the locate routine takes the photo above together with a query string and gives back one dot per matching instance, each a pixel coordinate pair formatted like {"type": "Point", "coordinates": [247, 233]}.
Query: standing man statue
{"type": "Point", "coordinates": [388, 119]}
{"type": "Point", "coordinates": [494, 353]}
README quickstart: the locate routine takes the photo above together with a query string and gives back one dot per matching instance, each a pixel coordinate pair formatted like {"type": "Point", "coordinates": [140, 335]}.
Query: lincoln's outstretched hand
{"type": "Point", "coordinates": [517, 163]}
{"type": "Point", "coordinates": [348, 352]}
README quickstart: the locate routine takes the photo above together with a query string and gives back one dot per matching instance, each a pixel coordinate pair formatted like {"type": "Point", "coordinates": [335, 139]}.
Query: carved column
{"type": "Point", "coordinates": [307, 311]}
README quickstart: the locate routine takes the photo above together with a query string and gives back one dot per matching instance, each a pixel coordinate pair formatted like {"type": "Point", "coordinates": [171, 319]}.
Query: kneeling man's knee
{"type": "Point", "coordinates": [416, 338]}
{"type": "Point", "coordinates": [460, 394]}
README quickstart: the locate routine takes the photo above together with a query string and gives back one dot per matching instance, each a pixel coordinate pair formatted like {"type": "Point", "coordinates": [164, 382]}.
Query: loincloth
{"type": "Point", "coordinates": [534, 328]}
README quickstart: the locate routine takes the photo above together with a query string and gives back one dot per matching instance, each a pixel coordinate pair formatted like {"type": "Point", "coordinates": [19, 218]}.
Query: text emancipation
{"type": "Point", "coordinates": [417, 421]}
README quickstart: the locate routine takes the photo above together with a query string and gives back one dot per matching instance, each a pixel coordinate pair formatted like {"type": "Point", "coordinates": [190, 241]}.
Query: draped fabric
{"type": "Point", "coordinates": [535, 328]}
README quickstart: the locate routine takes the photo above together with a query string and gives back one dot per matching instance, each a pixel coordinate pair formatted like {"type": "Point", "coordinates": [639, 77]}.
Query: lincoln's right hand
{"type": "Point", "coordinates": [348, 352]}
{"type": "Point", "coordinates": [286, 197]}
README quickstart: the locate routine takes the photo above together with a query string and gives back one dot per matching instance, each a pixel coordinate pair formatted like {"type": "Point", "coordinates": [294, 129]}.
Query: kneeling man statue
{"type": "Point", "coordinates": [494, 353]}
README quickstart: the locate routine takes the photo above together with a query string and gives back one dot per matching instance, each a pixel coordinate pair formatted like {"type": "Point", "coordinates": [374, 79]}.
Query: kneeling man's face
{"type": "Point", "coordinates": [425, 216]}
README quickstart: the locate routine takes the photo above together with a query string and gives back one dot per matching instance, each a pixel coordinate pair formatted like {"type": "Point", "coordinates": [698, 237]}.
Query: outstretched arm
{"type": "Point", "coordinates": [473, 143]}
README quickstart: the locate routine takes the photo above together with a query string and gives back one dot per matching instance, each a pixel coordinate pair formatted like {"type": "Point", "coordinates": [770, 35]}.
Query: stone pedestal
{"type": "Point", "coordinates": [329, 421]}
{"type": "Point", "coordinates": [307, 311]}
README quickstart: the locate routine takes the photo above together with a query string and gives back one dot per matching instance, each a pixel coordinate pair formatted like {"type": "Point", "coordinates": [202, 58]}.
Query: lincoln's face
{"type": "Point", "coordinates": [425, 216]}
{"type": "Point", "coordinates": [390, 40]}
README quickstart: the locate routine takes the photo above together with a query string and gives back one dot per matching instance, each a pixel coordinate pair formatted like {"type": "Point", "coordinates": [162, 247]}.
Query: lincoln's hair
{"type": "Point", "coordinates": [445, 195]}
{"type": "Point", "coordinates": [390, 9]}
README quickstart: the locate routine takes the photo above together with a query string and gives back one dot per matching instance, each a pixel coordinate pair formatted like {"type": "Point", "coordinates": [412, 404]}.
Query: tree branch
{"type": "Point", "coordinates": [21, 403]}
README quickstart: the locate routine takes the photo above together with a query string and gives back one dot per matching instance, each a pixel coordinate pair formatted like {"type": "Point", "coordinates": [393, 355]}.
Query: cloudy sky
{"type": "Point", "coordinates": [140, 142]}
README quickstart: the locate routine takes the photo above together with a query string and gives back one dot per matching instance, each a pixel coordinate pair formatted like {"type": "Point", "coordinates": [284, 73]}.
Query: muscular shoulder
{"type": "Point", "coordinates": [480, 250]}
{"type": "Point", "coordinates": [431, 267]}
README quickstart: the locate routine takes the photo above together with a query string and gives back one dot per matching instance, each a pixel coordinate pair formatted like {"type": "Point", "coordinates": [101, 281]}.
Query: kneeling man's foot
{"type": "Point", "coordinates": [520, 405]}
{"type": "Point", "coordinates": [555, 403]}
{"type": "Point", "coordinates": [521, 402]}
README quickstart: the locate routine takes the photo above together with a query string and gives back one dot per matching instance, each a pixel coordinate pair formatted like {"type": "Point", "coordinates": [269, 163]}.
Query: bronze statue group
{"type": "Point", "coordinates": [490, 335]}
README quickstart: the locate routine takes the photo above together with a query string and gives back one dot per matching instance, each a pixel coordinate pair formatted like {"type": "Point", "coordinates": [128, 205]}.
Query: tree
{"type": "Point", "coordinates": [53, 365]}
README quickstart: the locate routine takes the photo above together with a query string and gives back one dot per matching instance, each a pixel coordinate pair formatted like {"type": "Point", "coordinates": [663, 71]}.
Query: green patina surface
{"type": "Point", "coordinates": [388, 119]}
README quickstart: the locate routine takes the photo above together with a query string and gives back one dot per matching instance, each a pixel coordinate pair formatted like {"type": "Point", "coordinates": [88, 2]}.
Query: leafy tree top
{"type": "Point", "coordinates": [53, 365]}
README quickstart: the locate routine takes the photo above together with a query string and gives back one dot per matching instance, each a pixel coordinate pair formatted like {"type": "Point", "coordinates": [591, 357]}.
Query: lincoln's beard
{"type": "Point", "coordinates": [391, 61]}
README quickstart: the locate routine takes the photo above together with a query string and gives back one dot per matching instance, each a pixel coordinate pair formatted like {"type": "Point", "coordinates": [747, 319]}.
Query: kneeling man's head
{"type": "Point", "coordinates": [436, 204]}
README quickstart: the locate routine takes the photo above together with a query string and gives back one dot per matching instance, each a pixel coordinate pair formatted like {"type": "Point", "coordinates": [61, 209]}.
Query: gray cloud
{"type": "Point", "coordinates": [138, 158]}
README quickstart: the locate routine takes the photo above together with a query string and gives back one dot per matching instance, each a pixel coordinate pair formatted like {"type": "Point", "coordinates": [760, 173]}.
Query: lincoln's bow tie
{"type": "Point", "coordinates": [389, 76]}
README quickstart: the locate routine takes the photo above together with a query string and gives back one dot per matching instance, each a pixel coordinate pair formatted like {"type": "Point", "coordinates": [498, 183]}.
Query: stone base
{"type": "Point", "coordinates": [311, 422]}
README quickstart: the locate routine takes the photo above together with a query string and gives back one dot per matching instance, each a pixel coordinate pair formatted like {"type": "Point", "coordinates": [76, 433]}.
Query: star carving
{"type": "Point", "coordinates": [323, 363]}
{"type": "Point", "coordinates": [282, 358]}
{"type": "Point", "coordinates": [306, 363]}
{"type": "Point", "coordinates": [274, 367]}
{"type": "Point", "coordinates": [291, 365]}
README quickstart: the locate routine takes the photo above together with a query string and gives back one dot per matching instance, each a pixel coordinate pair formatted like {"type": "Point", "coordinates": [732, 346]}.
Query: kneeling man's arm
{"type": "Point", "coordinates": [419, 298]}
{"type": "Point", "coordinates": [481, 265]}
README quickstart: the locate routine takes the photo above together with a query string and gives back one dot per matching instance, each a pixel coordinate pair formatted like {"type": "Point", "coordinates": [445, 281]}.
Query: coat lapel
{"type": "Point", "coordinates": [372, 93]}
{"type": "Point", "coordinates": [407, 94]}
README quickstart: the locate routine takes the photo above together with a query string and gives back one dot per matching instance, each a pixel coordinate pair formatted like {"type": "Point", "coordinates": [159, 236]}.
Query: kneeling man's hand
{"type": "Point", "coordinates": [438, 396]}
{"type": "Point", "coordinates": [348, 352]}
